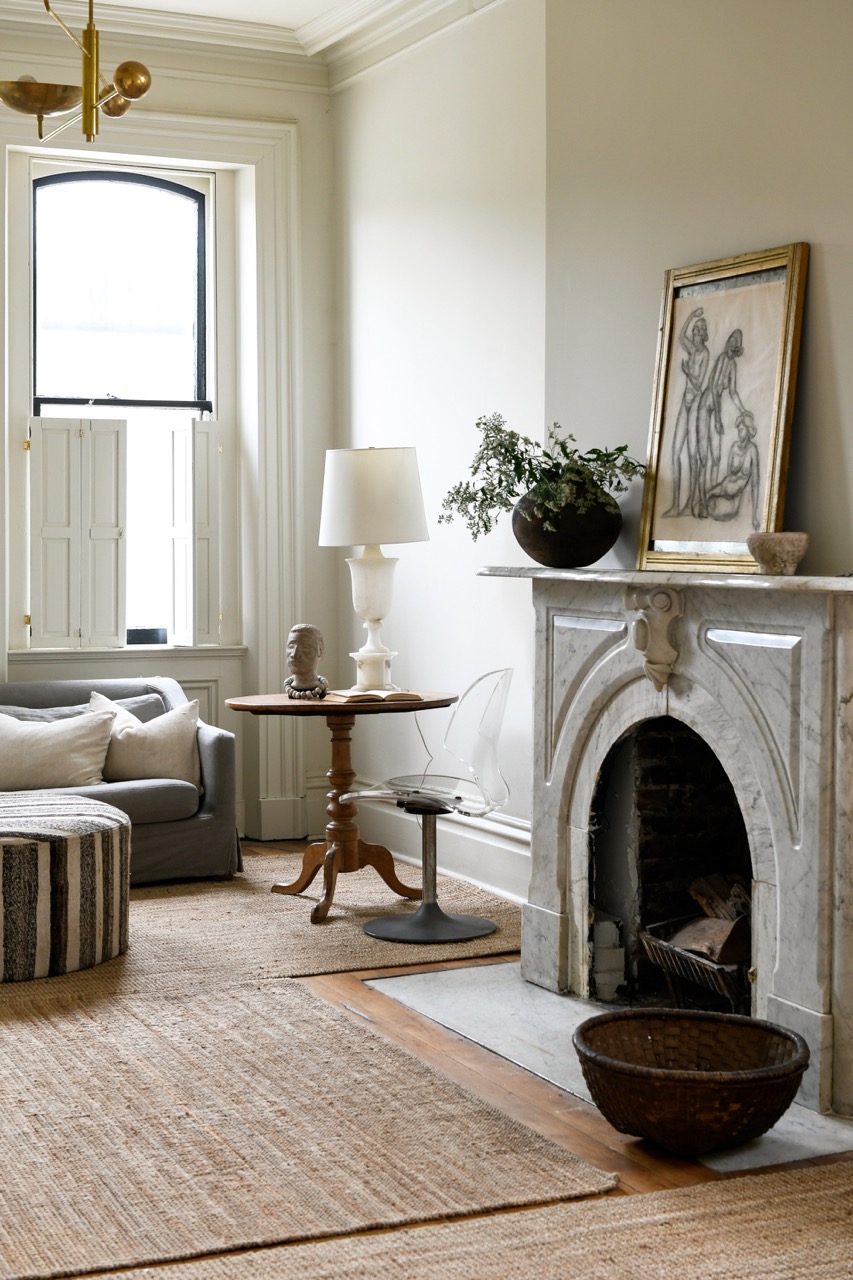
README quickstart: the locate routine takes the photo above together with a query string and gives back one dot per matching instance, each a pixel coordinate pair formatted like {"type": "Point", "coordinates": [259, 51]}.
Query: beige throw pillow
{"type": "Point", "coordinates": [55, 753]}
{"type": "Point", "coordinates": [165, 747]}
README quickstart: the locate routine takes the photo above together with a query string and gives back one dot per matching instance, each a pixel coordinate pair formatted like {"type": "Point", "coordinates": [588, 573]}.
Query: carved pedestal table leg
{"type": "Point", "coordinates": [342, 850]}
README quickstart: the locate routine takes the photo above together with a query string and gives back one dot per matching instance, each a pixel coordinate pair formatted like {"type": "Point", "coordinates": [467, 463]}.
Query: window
{"type": "Point", "coordinates": [119, 315]}
{"type": "Point", "coordinates": [124, 499]}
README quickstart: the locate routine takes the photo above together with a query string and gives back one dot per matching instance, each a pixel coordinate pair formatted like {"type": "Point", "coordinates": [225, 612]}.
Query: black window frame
{"type": "Point", "coordinates": [201, 402]}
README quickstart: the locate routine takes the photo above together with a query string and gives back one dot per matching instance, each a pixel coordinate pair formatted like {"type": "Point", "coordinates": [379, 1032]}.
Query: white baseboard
{"type": "Point", "coordinates": [276, 819]}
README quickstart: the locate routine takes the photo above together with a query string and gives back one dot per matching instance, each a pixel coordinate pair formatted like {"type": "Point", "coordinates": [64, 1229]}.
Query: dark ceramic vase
{"type": "Point", "coordinates": [579, 537]}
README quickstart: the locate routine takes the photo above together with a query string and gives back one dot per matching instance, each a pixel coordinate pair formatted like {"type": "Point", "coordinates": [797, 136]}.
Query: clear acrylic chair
{"type": "Point", "coordinates": [473, 786]}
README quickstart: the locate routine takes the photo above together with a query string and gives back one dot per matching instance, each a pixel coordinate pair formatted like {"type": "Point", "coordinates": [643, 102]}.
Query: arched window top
{"type": "Point", "coordinates": [119, 290]}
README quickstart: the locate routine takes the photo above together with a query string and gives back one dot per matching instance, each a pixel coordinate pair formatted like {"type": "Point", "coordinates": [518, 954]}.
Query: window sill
{"type": "Point", "coordinates": [128, 654]}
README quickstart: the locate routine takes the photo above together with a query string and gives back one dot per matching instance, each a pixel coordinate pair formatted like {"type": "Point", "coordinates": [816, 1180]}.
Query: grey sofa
{"type": "Point", "coordinates": [176, 834]}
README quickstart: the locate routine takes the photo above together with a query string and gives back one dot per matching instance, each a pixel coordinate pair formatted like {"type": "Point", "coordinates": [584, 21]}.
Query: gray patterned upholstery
{"type": "Point", "coordinates": [64, 884]}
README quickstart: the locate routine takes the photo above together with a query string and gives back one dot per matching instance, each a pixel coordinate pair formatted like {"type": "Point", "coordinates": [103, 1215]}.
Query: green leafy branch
{"type": "Point", "coordinates": [508, 465]}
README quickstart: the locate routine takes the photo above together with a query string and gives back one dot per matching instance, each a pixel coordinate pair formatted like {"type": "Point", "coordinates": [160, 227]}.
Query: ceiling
{"type": "Point", "coordinates": [290, 15]}
{"type": "Point", "coordinates": [307, 26]}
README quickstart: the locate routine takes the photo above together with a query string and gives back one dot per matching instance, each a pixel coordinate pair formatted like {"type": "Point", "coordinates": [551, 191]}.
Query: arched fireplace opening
{"type": "Point", "coordinates": [669, 864]}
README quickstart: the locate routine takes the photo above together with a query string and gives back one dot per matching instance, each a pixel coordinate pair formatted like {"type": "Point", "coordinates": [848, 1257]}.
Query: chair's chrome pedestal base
{"type": "Point", "coordinates": [429, 923]}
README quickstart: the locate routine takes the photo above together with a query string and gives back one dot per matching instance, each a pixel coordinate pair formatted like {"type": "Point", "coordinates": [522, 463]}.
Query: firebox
{"type": "Point", "coordinates": [670, 875]}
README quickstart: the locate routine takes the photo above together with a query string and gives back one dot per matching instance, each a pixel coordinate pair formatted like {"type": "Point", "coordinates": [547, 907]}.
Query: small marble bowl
{"type": "Point", "coordinates": [778, 553]}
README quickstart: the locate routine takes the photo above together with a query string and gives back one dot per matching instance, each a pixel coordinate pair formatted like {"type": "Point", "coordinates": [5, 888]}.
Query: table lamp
{"type": "Point", "coordinates": [372, 496]}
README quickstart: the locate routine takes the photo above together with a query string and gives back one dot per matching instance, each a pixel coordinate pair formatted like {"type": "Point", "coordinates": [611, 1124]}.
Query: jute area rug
{"type": "Point", "coordinates": [186, 1100]}
{"type": "Point", "coordinates": [148, 1128]}
{"type": "Point", "coordinates": [795, 1225]}
{"type": "Point", "coordinates": [191, 935]}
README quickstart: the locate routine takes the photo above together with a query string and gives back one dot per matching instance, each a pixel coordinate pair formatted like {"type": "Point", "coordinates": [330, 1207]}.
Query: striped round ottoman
{"type": "Point", "coordinates": [64, 883]}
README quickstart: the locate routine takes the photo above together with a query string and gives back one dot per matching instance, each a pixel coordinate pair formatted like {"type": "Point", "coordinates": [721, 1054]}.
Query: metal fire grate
{"type": "Point", "coordinates": [729, 980]}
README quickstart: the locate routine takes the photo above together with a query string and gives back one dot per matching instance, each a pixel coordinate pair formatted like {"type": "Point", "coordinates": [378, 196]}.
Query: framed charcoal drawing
{"type": "Point", "coordinates": [723, 398]}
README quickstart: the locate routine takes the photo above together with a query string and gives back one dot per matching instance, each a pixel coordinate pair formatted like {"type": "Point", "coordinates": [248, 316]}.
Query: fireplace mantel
{"type": "Point", "coordinates": [675, 578]}
{"type": "Point", "coordinates": [762, 669]}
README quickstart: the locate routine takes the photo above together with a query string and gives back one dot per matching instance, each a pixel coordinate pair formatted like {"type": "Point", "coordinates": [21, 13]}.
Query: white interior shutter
{"type": "Point", "coordinates": [55, 532]}
{"type": "Point", "coordinates": [195, 534]}
{"type": "Point", "coordinates": [77, 516]}
{"type": "Point", "coordinates": [104, 504]}
{"type": "Point", "coordinates": [206, 551]}
{"type": "Point", "coordinates": [183, 524]}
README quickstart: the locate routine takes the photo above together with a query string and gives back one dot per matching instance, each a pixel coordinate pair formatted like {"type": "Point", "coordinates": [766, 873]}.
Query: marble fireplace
{"type": "Point", "coordinates": [761, 669]}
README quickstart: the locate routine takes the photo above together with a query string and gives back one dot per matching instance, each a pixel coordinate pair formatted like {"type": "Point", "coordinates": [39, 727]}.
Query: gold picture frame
{"type": "Point", "coordinates": [725, 377]}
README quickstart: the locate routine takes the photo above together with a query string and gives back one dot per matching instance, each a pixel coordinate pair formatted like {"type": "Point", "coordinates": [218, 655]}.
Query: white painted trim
{"type": "Point", "coordinates": [348, 21]}
{"type": "Point", "coordinates": [230, 63]}
{"type": "Point", "coordinates": [181, 654]}
{"type": "Point", "coordinates": [266, 818]}
{"type": "Point", "coordinates": [363, 31]}
{"type": "Point", "coordinates": [405, 24]}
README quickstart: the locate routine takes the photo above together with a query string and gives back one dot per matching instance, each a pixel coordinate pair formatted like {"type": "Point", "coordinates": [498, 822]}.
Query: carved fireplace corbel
{"type": "Point", "coordinates": [651, 613]}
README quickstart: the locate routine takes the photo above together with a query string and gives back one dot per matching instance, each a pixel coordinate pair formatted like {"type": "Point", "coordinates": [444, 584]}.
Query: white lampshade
{"type": "Point", "coordinates": [372, 496]}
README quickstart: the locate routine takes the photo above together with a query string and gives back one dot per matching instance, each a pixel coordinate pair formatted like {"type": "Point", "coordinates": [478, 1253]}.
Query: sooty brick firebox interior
{"type": "Point", "coordinates": [663, 815]}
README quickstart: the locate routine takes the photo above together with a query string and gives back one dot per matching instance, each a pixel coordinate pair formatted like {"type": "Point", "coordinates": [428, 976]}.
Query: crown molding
{"type": "Point", "coordinates": [395, 26]}
{"type": "Point", "coordinates": [355, 29]}
{"type": "Point", "coordinates": [155, 23]}
{"type": "Point", "coordinates": [347, 20]}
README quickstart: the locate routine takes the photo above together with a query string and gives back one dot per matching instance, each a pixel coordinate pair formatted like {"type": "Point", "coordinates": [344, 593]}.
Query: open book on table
{"type": "Point", "coordinates": [375, 695]}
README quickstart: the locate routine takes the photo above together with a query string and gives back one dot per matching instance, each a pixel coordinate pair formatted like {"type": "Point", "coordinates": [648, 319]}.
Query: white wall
{"type": "Point", "coordinates": [681, 133]}
{"type": "Point", "coordinates": [441, 187]}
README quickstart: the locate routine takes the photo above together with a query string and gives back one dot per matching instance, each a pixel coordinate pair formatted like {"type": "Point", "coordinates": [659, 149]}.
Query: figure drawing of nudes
{"type": "Point", "coordinates": [698, 435]}
{"type": "Point", "coordinates": [709, 419]}
{"type": "Point", "coordinates": [742, 478]}
{"type": "Point", "coordinates": [694, 364]}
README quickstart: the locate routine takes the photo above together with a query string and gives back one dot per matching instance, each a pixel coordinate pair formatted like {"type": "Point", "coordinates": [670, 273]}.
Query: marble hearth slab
{"type": "Point", "coordinates": [493, 1006]}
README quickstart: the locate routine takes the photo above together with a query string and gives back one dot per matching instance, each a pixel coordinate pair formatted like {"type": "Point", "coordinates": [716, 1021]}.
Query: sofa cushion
{"type": "Point", "coordinates": [60, 753]}
{"type": "Point", "coordinates": [145, 800]}
{"type": "Point", "coordinates": [166, 747]}
{"type": "Point", "coordinates": [145, 707]}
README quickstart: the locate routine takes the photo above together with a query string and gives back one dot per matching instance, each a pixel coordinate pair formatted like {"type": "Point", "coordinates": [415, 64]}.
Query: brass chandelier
{"type": "Point", "coordinates": [131, 80]}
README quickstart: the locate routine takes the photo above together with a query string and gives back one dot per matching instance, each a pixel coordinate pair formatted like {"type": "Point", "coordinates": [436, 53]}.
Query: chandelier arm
{"type": "Point", "coordinates": [67, 30]}
{"type": "Point", "coordinates": [72, 120]}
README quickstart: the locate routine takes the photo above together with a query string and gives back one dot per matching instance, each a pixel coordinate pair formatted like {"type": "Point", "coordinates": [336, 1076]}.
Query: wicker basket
{"type": "Point", "coordinates": [690, 1082]}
